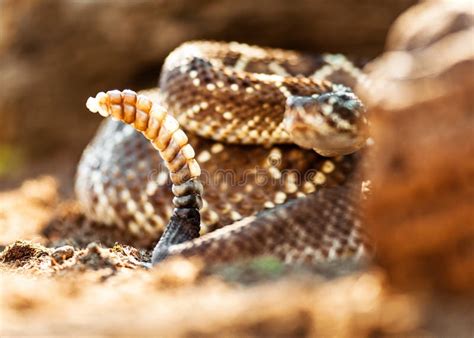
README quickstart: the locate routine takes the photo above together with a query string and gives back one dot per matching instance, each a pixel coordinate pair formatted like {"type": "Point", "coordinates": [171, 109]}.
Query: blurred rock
{"type": "Point", "coordinates": [421, 96]}
{"type": "Point", "coordinates": [54, 54]}
{"type": "Point", "coordinates": [62, 253]}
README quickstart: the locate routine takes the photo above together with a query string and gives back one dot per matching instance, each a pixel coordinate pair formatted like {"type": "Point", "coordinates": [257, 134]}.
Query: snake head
{"type": "Point", "coordinates": [332, 123]}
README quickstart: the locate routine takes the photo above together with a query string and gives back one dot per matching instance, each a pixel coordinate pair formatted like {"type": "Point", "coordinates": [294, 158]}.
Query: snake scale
{"type": "Point", "coordinates": [257, 150]}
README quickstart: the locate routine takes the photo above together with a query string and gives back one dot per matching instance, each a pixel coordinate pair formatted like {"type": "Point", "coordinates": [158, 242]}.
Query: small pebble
{"type": "Point", "coordinates": [63, 253]}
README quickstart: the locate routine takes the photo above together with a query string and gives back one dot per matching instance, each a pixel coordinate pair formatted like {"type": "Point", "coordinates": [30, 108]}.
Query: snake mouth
{"type": "Point", "coordinates": [332, 124]}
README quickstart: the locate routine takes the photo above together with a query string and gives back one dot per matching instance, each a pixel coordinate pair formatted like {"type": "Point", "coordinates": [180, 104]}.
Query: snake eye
{"type": "Point", "coordinates": [332, 123]}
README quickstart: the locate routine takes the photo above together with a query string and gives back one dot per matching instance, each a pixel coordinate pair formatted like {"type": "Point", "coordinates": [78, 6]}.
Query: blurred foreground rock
{"type": "Point", "coordinates": [422, 104]}
{"type": "Point", "coordinates": [54, 54]}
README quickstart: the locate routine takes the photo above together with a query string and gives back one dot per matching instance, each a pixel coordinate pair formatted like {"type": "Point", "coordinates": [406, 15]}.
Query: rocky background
{"type": "Point", "coordinates": [420, 94]}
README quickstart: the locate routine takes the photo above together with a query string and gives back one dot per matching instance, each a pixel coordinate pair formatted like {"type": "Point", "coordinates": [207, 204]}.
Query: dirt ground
{"type": "Point", "coordinates": [62, 276]}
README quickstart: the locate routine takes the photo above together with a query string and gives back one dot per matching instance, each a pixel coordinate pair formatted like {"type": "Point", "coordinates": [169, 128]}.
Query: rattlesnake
{"type": "Point", "coordinates": [243, 109]}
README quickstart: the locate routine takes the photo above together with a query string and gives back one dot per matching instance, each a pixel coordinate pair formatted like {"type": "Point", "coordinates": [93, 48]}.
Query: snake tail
{"type": "Point", "coordinates": [165, 134]}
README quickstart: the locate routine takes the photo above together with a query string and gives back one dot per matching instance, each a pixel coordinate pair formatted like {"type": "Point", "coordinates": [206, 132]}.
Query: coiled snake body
{"type": "Point", "coordinates": [255, 123]}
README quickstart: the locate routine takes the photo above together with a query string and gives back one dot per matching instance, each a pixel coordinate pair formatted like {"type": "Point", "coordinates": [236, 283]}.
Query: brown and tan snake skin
{"type": "Point", "coordinates": [238, 119]}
